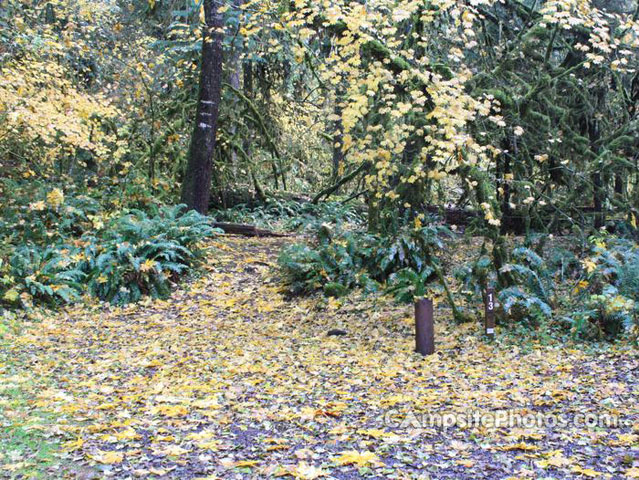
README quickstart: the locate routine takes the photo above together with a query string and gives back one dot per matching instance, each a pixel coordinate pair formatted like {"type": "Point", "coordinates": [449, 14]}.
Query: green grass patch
{"type": "Point", "coordinates": [27, 449]}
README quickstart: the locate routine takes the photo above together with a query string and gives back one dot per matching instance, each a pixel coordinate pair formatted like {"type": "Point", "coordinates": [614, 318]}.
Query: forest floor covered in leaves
{"type": "Point", "coordinates": [230, 378]}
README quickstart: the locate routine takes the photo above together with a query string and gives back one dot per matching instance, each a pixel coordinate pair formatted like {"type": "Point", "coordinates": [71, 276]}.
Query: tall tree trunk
{"type": "Point", "coordinates": [338, 139]}
{"type": "Point", "coordinates": [196, 187]}
{"type": "Point", "coordinates": [234, 80]}
{"type": "Point", "coordinates": [620, 185]}
{"type": "Point", "coordinates": [598, 199]}
{"type": "Point", "coordinates": [598, 186]}
{"type": "Point", "coordinates": [504, 170]}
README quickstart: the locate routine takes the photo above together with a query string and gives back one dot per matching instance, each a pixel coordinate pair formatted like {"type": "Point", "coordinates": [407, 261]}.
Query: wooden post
{"type": "Point", "coordinates": [489, 322]}
{"type": "Point", "coordinates": [424, 327]}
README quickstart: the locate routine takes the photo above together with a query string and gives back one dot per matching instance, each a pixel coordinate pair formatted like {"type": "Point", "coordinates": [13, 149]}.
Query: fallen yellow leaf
{"type": "Point", "coordinates": [108, 457]}
{"type": "Point", "coordinates": [588, 472]}
{"type": "Point", "coordinates": [305, 471]}
{"type": "Point", "coordinates": [361, 459]}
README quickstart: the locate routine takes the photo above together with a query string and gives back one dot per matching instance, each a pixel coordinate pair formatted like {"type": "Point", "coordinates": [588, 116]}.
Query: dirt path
{"type": "Point", "coordinates": [230, 379]}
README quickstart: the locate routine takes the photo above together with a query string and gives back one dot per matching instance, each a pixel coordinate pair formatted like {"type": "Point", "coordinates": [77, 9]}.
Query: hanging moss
{"type": "Point", "coordinates": [539, 118]}
{"type": "Point", "coordinates": [535, 34]}
{"type": "Point", "coordinates": [502, 96]}
{"type": "Point", "coordinates": [375, 49]}
{"type": "Point", "coordinates": [622, 142]}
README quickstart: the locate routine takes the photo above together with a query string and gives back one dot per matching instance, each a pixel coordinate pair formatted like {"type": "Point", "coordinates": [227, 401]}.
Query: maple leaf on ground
{"type": "Point", "coordinates": [230, 463]}
{"type": "Point", "coordinates": [374, 432]}
{"type": "Point", "coordinates": [170, 410]}
{"type": "Point", "coordinates": [304, 471]}
{"type": "Point", "coordinates": [361, 459]}
{"type": "Point", "coordinates": [518, 446]}
{"type": "Point", "coordinates": [160, 471]}
{"type": "Point", "coordinates": [108, 458]}
{"type": "Point", "coordinates": [587, 472]}
{"type": "Point", "coordinates": [14, 467]}
{"type": "Point", "coordinates": [556, 460]}
{"type": "Point", "coordinates": [74, 444]}
{"type": "Point", "coordinates": [633, 472]}
{"type": "Point", "coordinates": [128, 434]}
{"type": "Point", "coordinates": [171, 451]}
{"type": "Point", "coordinates": [303, 453]}
{"type": "Point", "coordinates": [625, 439]}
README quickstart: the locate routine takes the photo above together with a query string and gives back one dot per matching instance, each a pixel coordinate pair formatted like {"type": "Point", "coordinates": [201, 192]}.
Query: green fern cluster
{"type": "Point", "coordinates": [472, 279]}
{"type": "Point", "coordinates": [528, 297]}
{"type": "Point", "coordinates": [343, 260]}
{"type": "Point", "coordinates": [139, 255]}
{"type": "Point", "coordinates": [526, 288]}
{"type": "Point", "coordinates": [131, 256]}
{"type": "Point", "coordinates": [606, 292]}
{"type": "Point", "coordinates": [292, 215]}
{"type": "Point", "coordinates": [334, 266]}
{"type": "Point", "coordinates": [45, 275]}
{"type": "Point", "coordinates": [409, 248]}
{"type": "Point", "coordinates": [26, 216]}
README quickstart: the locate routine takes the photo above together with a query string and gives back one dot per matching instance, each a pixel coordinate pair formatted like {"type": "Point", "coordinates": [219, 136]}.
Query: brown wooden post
{"type": "Point", "coordinates": [424, 327]}
{"type": "Point", "coordinates": [489, 322]}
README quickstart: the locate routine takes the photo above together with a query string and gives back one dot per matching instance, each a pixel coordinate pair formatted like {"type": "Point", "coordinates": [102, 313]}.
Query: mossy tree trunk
{"type": "Point", "coordinates": [196, 187]}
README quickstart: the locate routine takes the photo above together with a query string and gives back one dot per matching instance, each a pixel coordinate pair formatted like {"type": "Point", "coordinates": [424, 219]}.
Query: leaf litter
{"type": "Point", "coordinates": [232, 378]}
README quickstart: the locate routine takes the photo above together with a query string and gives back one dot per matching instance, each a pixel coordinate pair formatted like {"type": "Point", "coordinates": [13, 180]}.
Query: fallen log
{"type": "Point", "coordinates": [246, 230]}
{"type": "Point", "coordinates": [453, 215]}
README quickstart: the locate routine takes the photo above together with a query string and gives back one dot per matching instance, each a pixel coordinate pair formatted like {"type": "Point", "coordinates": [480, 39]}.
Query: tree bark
{"type": "Point", "coordinates": [196, 187]}
{"type": "Point", "coordinates": [338, 139]}
{"type": "Point", "coordinates": [234, 81]}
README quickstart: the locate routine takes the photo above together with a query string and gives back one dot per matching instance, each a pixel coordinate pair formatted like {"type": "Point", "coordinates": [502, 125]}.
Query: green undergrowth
{"type": "Point", "coordinates": [59, 246]}
{"type": "Point", "coordinates": [27, 447]}
{"type": "Point", "coordinates": [548, 289]}
{"type": "Point", "coordinates": [287, 215]}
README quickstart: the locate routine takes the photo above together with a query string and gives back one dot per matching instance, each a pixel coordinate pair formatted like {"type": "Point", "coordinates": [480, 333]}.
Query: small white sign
{"type": "Point", "coordinates": [490, 331]}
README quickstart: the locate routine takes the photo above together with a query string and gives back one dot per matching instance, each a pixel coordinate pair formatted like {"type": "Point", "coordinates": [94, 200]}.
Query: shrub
{"type": "Point", "coordinates": [527, 298]}
{"type": "Point", "coordinates": [605, 291]}
{"type": "Point", "coordinates": [139, 255]}
{"type": "Point", "coordinates": [472, 280]}
{"type": "Point", "coordinates": [564, 264]}
{"type": "Point", "coordinates": [334, 265]}
{"type": "Point", "coordinates": [45, 215]}
{"type": "Point", "coordinates": [605, 315]}
{"type": "Point", "coordinates": [292, 215]}
{"type": "Point", "coordinates": [408, 248]}
{"type": "Point", "coordinates": [628, 275]}
{"type": "Point", "coordinates": [407, 285]}
{"type": "Point", "coordinates": [45, 275]}
{"type": "Point", "coordinates": [132, 255]}
{"type": "Point", "coordinates": [520, 306]}
{"type": "Point", "coordinates": [343, 260]}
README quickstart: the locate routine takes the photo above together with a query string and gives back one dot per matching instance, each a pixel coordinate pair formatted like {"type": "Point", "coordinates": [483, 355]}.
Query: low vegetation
{"type": "Point", "coordinates": [58, 248]}
{"type": "Point", "coordinates": [221, 223]}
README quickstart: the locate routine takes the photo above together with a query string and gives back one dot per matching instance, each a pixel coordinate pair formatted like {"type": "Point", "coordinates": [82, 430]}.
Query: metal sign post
{"type": "Point", "coordinates": [489, 322]}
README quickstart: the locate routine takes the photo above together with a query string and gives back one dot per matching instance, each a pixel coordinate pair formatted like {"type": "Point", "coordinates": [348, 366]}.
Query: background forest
{"type": "Point", "coordinates": [382, 130]}
{"type": "Point", "coordinates": [225, 225]}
